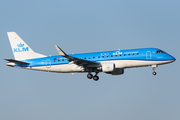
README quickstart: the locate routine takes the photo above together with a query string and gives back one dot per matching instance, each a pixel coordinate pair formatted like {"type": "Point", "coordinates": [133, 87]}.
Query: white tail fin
{"type": "Point", "coordinates": [20, 49]}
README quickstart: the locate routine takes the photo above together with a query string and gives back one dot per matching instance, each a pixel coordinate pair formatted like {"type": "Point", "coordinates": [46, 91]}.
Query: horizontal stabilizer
{"type": "Point", "coordinates": [17, 61]}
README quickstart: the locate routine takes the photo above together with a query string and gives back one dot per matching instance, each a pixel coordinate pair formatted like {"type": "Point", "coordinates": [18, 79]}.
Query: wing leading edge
{"type": "Point", "coordinates": [74, 59]}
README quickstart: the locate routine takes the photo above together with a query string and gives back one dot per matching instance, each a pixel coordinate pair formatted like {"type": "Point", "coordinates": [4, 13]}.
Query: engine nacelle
{"type": "Point", "coordinates": [108, 67]}
{"type": "Point", "coordinates": [116, 72]}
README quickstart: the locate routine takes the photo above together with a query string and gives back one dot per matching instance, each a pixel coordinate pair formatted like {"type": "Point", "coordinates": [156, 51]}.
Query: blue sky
{"type": "Point", "coordinates": [88, 26]}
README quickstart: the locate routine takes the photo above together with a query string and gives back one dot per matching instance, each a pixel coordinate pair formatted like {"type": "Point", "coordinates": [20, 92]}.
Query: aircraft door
{"type": "Point", "coordinates": [148, 55]}
{"type": "Point", "coordinates": [48, 63]}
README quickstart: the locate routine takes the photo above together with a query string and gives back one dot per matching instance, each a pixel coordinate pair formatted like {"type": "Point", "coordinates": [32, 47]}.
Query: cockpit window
{"type": "Point", "coordinates": [163, 51]}
{"type": "Point", "coordinates": [160, 51]}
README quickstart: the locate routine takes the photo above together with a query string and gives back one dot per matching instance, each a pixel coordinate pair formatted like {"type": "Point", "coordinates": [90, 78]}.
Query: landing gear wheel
{"type": "Point", "coordinates": [96, 78]}
{"type": "Point", "coordinates": [154, 73]}
{"type": "Point", "coordinates": [153, 68]}
{"type": "Point", "coordinates": [90, 76]}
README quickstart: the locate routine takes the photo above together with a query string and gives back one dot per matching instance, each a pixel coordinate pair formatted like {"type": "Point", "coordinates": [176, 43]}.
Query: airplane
{"type": "Point", "coordinates": [110, 62]}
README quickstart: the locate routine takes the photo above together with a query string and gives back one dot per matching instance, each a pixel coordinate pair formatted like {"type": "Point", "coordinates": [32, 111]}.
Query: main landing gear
{"type": "Point", "coordinates": [153, 68]}
{"type": "Point", "coordinates": [95, 77]}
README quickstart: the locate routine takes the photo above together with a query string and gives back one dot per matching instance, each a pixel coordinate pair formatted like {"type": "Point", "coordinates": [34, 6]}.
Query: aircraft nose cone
{"type": "Point", "coordinates": [172, 58]}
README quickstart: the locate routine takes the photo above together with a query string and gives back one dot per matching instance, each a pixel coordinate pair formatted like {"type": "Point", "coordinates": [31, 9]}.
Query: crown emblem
{"type": "Point", "coordinates": [20, 45]}
{"type": "Point", "coordinates": [107, 67]}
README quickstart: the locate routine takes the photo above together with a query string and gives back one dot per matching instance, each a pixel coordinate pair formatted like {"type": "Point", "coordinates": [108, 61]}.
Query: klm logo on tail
{"type": "Point", "coordinates": [21, 48]}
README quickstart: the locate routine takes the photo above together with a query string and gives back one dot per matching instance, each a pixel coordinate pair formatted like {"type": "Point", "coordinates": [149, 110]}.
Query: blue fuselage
{"type": "Point", "coordinates": [144, 54]}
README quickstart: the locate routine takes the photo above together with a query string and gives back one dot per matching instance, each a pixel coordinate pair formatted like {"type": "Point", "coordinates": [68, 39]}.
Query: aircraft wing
{"type": "Point", "coordinates": [74, 59]}
{"type": "Point", "coordinates": [17, 61]}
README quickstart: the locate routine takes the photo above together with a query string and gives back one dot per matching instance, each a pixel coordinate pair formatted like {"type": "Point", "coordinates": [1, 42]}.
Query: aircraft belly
{"type": "Point", "coordinates": [71, 68]}
{"type": "Point", "coordinates": [67, 68]}
{"type": "Point", "coordinates": [134, 63]}
{"type": "Point", "coordinates": [138, 63]}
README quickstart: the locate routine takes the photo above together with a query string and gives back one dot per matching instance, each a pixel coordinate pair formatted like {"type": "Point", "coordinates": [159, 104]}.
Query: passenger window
{"type": "Point", "coordinates": [94, 57]}
{"type": "Point", "coordinates": [124, 54]}
{"type": "Point", "coordinates": [129, 54]}
{"type": "Point", "coordinates": [120, 55]}
{"type": "Point", "coordinates": [58, 60]}
{"type": "Point", "coordinates": [62, 59]}
{"type": "Point", "coordinates": [116, 55]}
{"type": "Point", "coordinates": [111, 55]}
{"type": "Point", "coordinates": [107, 56]}
{"type": "Point", "coordinates": [89, 57]}
{"type": "Point", "coordinates": [85, 58]}
{"type": "Point", "coordinates": [133, 53]}
{"type": "Point", "coordinates": [98, 56]}
{"type": "Point", "coordinates": [103, 56]}
{"type": "Point", "coordinates": [137, 53]}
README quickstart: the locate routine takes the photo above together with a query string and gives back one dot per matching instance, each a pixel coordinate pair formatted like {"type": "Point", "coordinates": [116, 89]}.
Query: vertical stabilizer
{"type": "Point", "coordinates": [20, 49]}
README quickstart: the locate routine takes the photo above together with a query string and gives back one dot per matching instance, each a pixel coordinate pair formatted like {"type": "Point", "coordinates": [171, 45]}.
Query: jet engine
{"type": "Point", "coordinates": [108, 67]}
{"type": "Point", "coordinates": [116, 72]}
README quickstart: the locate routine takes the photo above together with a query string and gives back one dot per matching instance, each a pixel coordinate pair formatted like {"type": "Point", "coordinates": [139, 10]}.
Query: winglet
{"type": "Point", "coordinates": [60, 51]}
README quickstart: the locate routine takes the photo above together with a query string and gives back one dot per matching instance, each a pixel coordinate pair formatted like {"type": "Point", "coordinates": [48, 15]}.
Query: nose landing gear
{"type": "Point", "coordinates": [153, 68]}
{"type": "Point", "coordinates": [95, 77]}
{"type": "Point", "coordinates": [154, 73]}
